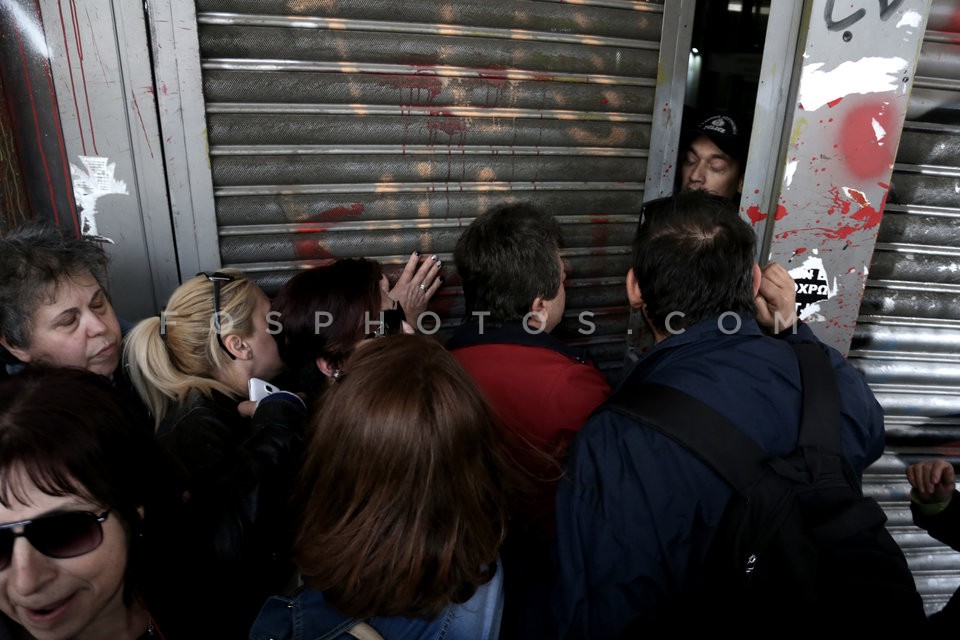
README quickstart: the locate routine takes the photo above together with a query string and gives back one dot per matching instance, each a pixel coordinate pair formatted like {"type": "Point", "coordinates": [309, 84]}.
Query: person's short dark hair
{"type": "Point", "coordinates": [347, 290]}
{"type": "Point", "coordinates": [506, 258]}
{"type": "Point", "coordinates": [693, 254]}
{"type": "Point", "coordinates": [72, 433]}
{"type": "Point", "coordinates": [725, 131]}
{"type": "Point", "coordinates": [33, 259]}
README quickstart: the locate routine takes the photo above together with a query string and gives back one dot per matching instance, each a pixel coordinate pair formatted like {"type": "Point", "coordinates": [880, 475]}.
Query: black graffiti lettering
{"type": "Point", "coordinates": [812, 289]}
{"type": "Point", "coordinates": [843, 23]}
{"type": "Point", "coordinates": [887, 8]}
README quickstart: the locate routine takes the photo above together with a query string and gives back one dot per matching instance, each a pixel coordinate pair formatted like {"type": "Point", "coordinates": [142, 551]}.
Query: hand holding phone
{"type": "Point", "coordinates": [259, 389]}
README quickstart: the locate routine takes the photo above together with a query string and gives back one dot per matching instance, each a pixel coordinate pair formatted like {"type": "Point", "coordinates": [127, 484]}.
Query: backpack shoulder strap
{"type": "Point", "coordinates": [695, 426]}
{"type": "Point", "coordinates": [715, 440]}
{"type": "Point", "coordinates": [820, 427]}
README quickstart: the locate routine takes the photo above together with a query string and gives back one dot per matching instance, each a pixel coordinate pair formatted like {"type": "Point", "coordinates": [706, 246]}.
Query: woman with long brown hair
{"type": "Point", "coordinates": [402, 504]}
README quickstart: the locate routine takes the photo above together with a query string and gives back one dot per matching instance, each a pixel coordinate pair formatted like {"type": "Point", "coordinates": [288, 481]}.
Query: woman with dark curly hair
{"type": "Point", "coordinates": [324, 312]}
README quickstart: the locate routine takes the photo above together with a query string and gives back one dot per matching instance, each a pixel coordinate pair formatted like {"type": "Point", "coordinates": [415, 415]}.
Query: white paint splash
{"type": "Point", "coordinates": [909, 19]}
{"type": "Point", "coordinates": [866, 75]}
{"type": "Point", "coordinates": [27, 26]}
{"type": "Point", "coordinates": [812, 281]}
{"type": "Point", "coordinates": [791, 169]}
{"type": "Point", "coordinates": [91, 185]}
{"type": "Point", "coordinates": [878, 129]}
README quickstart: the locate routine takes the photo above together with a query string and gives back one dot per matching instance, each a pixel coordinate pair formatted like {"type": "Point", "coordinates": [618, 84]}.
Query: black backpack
{"type": "Point", "coordinates": [798, 542]}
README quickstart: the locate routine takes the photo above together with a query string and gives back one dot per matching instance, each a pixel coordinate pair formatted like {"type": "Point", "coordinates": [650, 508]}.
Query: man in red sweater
{"type": "Point", "coordinates": [541, 389]}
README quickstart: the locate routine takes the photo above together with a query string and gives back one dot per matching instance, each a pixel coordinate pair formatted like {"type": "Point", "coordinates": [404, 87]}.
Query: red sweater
{"type": "Point", "coordinates": [540, 389]}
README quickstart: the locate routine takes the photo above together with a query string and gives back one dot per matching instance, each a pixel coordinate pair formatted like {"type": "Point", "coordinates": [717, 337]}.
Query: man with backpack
{"type": "Point", "coordinates": [638, 512]}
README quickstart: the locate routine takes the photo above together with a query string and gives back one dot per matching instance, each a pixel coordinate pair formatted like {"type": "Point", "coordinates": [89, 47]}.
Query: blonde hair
{"type": "Point", "coordinates": [168, 357]}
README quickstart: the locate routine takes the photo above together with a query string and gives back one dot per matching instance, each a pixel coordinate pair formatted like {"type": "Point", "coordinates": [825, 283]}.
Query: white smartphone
{"type": "Point", "coordinates": [259, 388]}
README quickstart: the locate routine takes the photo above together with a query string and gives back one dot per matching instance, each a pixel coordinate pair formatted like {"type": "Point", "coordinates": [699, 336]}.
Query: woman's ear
{"type": "Point", "coordinates": [20, 354]}
{"type": "Point", "coordinates": [237, 346]}
{"type": "Point", "coordinates": [325, 367]}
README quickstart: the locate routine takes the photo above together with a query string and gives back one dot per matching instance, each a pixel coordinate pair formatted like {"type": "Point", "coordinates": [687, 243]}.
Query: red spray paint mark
{"type": "Point", "coordinates": [310, 248]}
{"type": "Point", "coordinates": [59, 135]}
{"type": "Point", "coordinates": [858, 197]}
{"type": "Point", "coordinates": [781, 212]}
{"type": "Point", "coordinates": [83, 73]}
{"type": "Point", "coordinates": [840, 204]}
{"type": "Point", "coordinates": [136, 105]}
{"type": "Point", "coordinates": [869, 216]}
{"type": "Point", "coordinates": [755, 215]}
{"type": "Point", "coordinates": [36, 120]}
{"type": "Point", "coordinates": [495, 80]}
{"type": "Point", "coordinates": [800, 251]}
{"type": "Point", "coordinates": [834, 103]}
{"type": "Point", "coordinates": [866, 140]}
{"type": "Point", "coordinates": [429, 84]}
{"type": "Point", "coordinates": [73, 88]}
{"type": "Point", "coordinates": [953, 26]}
{"type": "Point", "coordinates": [338, 214]}
{"type": "Point", "coordinates": [865, 217]}
{"type": "Point", "coordinates": [446, 123]}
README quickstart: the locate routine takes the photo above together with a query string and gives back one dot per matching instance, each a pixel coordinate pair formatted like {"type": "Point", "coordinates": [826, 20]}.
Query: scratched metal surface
{"type": "Point", "coordinates": [907, 337]}
{"type": "Point", "coordinates": [14, 208]}
{"type": "Point", "coordinates": [31, 106]}
{"type": "Point", "coordinates": [106, 128]}
{"type": "Point", "coordinates": [376, 128]}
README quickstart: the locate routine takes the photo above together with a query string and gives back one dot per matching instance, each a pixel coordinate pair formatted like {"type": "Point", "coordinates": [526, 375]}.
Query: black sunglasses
{"type": "Point", "coordinates": [60, 535]}
{"type": "Point", "coordinates": [217, 278]}
{"type": "Point", "coordinates": [391, 322]}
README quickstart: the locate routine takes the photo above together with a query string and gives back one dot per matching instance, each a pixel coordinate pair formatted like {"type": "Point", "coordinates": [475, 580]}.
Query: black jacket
{"type": "Point", "coordinates": [234, 538]}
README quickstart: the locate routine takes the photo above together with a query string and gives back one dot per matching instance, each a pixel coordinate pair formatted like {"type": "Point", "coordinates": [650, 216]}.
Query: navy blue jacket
{"type": "Point", "coordinates": [636, 512]}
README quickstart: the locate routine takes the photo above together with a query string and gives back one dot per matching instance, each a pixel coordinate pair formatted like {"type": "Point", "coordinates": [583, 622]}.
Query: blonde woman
{"type": "Point", "coordinates": [192, 366]}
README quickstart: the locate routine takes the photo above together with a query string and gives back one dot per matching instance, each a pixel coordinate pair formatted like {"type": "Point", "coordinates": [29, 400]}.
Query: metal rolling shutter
{"type": "Point", "coordinates": [907, 341]}
{"type": "Point", "coordinates": [373, 128]}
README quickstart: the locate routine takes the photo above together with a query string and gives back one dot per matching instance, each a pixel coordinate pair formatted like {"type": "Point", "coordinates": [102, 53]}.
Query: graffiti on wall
{"type": "Point", "coordinates": [852, 98]}
{"type": "Point", "coordinates": [813, 287]}
{"type": "Point", "coordinates": [839, 24]}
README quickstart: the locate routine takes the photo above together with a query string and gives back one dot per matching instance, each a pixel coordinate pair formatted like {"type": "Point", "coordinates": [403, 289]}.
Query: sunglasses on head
{"type": "Point", "coordinates": [391, 322]}
{"type": "Point", "coordinates": [60, 535]}
{"type": "Point", "coordinates": [217, 278]}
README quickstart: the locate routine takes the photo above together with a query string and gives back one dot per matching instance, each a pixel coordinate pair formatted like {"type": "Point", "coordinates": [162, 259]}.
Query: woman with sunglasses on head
{"type": "Point", "coordinates": [325, 312]}
{"type": "Point", "coordinates": [402, 505]}
{"type": "Point", "coordinates": [192, 366]}
{"type": "Point", "coordinates": [80, 485]}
